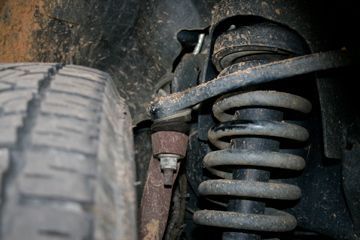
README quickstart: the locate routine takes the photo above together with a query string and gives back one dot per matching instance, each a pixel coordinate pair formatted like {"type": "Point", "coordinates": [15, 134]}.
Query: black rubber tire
{"type": "Point", "coordinates": [66, 155]}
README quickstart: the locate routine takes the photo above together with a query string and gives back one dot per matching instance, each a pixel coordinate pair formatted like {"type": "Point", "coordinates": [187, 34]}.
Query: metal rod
{"type": "Point", "coordinates": [199, 44]}
{"type": "Point", "coordinates": [166, 106]}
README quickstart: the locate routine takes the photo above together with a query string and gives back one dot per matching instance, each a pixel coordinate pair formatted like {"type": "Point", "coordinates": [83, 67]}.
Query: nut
{"type": "Point", "coordinates": [168, 164]}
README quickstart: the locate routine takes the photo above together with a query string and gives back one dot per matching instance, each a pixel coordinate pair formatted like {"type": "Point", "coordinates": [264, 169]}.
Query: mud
{"type": "Point", "coordinates": [18, 21]}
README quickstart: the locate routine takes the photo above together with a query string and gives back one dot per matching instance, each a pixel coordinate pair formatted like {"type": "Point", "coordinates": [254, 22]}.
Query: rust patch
{"type": "Point", "coordinates": [17, 23]}
{"type": "Point", "coordinates": [169, 142]}
{"type": "Point", "coordinates": [155, 203]}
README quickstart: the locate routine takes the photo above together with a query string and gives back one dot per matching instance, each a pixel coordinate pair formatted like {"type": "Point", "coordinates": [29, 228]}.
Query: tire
{"type": "Point", "coordinates": [66, 155]}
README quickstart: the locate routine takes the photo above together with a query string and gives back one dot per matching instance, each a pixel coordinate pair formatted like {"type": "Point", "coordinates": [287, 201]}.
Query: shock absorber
{"type": "Point", "coordinates": [249, 135]}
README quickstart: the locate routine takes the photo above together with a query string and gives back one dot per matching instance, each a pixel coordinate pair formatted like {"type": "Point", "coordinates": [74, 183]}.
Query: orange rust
{"type": "Point", "coordinates": [169, 142]}
{"type": "Point", "coordinates": [155, 203]}
{"type": "Point", "coordinates": [17, 23]}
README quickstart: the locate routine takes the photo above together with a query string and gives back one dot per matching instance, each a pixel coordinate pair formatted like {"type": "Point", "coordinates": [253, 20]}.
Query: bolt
{"type": "Point", "coordinates": [168, 164]}
{"type": "Point", "coordinates": [168, 177]}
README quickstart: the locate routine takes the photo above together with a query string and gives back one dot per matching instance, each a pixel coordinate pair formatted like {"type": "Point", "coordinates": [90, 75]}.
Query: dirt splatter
{"type": "Point", "coordinates": [17, 22]}
{"type": "Point", "coordinates": [2, 3]}
{"type": "Point", "coordinates": [152, 230]}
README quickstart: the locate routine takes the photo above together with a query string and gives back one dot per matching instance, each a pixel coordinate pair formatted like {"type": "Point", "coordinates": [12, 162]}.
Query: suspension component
{"type": "Point", "coordinates": [169, 147]}
{"type": "Point", "coordinates": [271, 220]}
{"type": "Point", "coordinates": [253, 121]}
{"type": "Point", "coordinates": [250, 76]}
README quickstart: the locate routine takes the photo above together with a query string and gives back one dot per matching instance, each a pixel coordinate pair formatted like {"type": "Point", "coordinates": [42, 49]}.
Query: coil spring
{"type": "Point", "coordinates": [272, 220]}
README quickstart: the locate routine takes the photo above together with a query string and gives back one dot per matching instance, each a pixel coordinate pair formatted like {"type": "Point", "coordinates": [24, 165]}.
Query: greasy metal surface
{"type": "Point", "coordinates": [155, 203]}
{"type": "Point", "coordinates": [169, 142]}
{"type": "Point", "coordinates": [168, 105]}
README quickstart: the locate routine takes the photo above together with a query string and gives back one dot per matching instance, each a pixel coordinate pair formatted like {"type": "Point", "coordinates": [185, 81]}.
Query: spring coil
{"type": "Point", "coordinates": [272, 220]}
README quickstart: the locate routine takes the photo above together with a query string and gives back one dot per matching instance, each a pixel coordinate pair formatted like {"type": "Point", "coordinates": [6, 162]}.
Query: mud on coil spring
{"type": "Point", "coordinates": [234, 126]}
{"type": "Point", "coordinates": [273, 220]}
